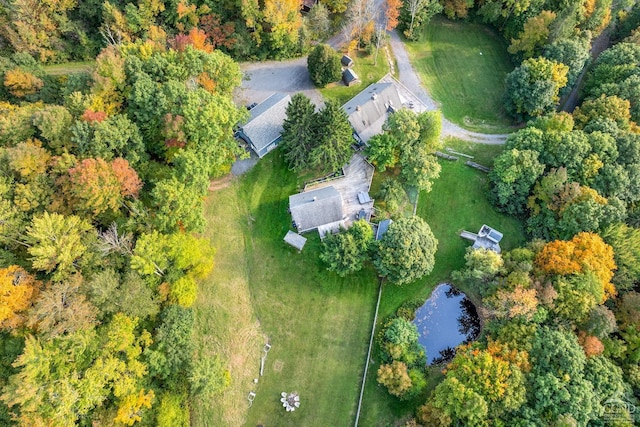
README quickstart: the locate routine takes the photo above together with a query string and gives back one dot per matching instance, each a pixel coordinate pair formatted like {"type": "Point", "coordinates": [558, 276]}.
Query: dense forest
{"type": "Point", "coordinates": [104, 175]}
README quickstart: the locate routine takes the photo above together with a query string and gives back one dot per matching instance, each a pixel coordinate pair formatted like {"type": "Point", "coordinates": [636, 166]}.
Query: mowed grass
{"type": "Point", "coordinates": [69, 68]}
{"type": "Point", "coordinates": [457, 201]}
{"type": "Point", "coordinates": [463, 65]}
{"type": "Point", "coordinates": [317, 323]}
{"type": "Point", "coordinates": [226, 323]}
{"type": "Point", "coordinates": [367, 72]}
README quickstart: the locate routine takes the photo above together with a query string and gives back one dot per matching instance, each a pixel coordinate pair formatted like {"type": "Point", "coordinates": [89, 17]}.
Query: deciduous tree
{"type": "Point", "coordinates": [98, 186]}
{"type": "Point", "coordinates": [21, 83]}
{"type": "Point", "coordinates": [406, 252]}
{"type": "Point", "coordinates": [57, 243]}
{"type": "Point", "coordinates": [395, 378]}
{"type": "Point", "coordinates": [62, 309]}
{"type": "Point", "coordinates": [346, 252]}
{"type": "Point", "coordinates": [534, 34]}
{"type": "Point", "coordinates": [532, 88]}
{"type": "Point", "coordinates": [391, 13]}
{"type": "Point", "coordinates": [18, 289]}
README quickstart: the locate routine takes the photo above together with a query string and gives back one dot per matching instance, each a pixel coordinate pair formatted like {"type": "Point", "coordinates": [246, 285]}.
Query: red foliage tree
{"type": "Point", "coordinates": [218, 34]}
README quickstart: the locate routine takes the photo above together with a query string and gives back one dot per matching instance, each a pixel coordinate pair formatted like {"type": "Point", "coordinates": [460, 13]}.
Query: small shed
{"type": "Point", "coordinates": [349, 77]}
{"type": "Point", "coordinates": [295, 240]}
{"type": "Point", "coordinates": [346, 61]}
{"type": "Point", "coordinates": [487, 238]}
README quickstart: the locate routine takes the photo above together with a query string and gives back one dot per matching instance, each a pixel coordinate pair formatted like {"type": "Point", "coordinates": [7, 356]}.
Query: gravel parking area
{"type": "Point", "coordinates": [261, 79]}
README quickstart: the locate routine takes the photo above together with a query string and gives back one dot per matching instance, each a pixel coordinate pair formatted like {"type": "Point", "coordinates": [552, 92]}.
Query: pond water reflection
{"type": "Point", "coordinates": [447, 319]}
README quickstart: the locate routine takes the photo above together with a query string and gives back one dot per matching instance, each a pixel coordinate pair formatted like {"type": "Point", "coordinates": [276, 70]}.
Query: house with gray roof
{"type": "Point", "coordinates": [263, 130]}
{"type": "Point", "coordinates": [368, 110]}
{"type": "Point", "coordinates": [319, 209]}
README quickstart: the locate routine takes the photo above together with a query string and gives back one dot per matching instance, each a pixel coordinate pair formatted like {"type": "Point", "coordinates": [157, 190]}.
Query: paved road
{"type": "Point", "coordinates": [264, 78]}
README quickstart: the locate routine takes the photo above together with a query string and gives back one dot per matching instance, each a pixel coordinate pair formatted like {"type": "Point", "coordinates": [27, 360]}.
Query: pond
{"type": "Point", "coordinates": [447, 319]}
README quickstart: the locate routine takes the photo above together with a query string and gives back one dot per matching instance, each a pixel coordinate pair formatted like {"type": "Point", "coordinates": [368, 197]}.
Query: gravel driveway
{"type": "Point", "coordinates": [261, 79]}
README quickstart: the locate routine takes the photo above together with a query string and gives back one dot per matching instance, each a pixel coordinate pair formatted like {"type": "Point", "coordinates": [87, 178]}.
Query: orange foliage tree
{"type": "Point", "coordinates": [196, 38]}
{"type": "Point", "coordinates": [17, 290]}
{"type": "Point", "coordinates": [218, 34]}
{"type": "Point", "coordinates": [391, 12]}
{"type": "Point", "coordinates": [97, 186]}
{"type": "Point", "coordinates": [585, 252]}
{"type": "Point", "coordinates": [591, 345]}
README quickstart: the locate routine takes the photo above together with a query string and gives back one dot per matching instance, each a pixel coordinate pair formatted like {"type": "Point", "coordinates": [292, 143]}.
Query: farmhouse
{"type": "Point", "coordinates": [369, 109]}
{"type": "Point", "coordinates": [262, 131]}
{"type": "Point", "coordinates": [319, 209]}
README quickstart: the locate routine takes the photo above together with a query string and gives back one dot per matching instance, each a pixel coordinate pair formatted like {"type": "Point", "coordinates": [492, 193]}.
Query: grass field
{"type": "Point", "coordinates": [317, 323]}
{"type": "Point", "coordinates": [364, 68]}
{"type": "Point", "coordinates": [457, 201]}
{"type": "Point", "coordinates": [69, 68]}
{"type": "Point", "coordinates": [463, 65]}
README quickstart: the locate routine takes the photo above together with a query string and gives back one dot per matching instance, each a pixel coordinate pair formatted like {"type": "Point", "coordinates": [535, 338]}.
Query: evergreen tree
{"type": "Point", "coordinates": [297, 137]}
{"type": "Point", "coordinates": [334, 136]}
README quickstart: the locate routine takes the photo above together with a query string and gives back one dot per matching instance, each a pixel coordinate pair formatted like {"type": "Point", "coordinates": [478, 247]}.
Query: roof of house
{"type": "Point", "coordinates": [346, 61]}
{"type": "Point", "coordinates": [265, 124]}
{"type": "Point", "coordinates": [315, 208]}
{"type": "Point", "coordinates": [490, 233]}
{"type": "Point", "coordinates": [488, 238]}
{"type": "Point", "coordinates": [295, 240]}
{"type": "Point", "coordinates": [368, 110]}
{"type": "Point", "coordinates": [349, 76]}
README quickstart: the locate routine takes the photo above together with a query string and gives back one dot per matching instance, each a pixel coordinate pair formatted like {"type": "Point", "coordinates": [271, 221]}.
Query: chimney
{"type": "Point", "coordinates": [315, 198]}
{"type": "Point", "coordinates": [374, 96]}
{"type": "Point", "coordinates": [358, 108]}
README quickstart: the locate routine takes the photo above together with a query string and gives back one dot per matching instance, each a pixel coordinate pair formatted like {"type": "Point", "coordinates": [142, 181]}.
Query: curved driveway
{"type": "Point", "coordinates": [408, 77]}
{"type": "Point", "coordinates": [261, 79]}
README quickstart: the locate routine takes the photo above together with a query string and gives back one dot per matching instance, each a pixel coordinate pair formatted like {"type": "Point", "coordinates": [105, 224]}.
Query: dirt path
{"type": "Point", "coordinates": [598, 46]}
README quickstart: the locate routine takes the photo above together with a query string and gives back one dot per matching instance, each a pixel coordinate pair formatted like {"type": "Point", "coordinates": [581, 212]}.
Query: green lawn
{"type": "Point", "coordinates": [364, 68]}
{"type": "Point", "coordinates": [458, 201]}
{"type": "Point", "coordinates": [464, 65]}
{"type": "Point", "coordinates": [317, 323]}
{"type": "Point", "coordinates": [69, 68]}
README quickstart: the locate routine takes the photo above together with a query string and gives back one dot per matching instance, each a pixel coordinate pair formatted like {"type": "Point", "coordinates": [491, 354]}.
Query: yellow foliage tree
{"type": "Point", "coordinates": [132, 406]}
{"type": "Point", "coordinates": [21, 83]}
{"type": "Point", "coordinates": [17, 290]}
{"type": "Point", "coordinates": [585, 252]}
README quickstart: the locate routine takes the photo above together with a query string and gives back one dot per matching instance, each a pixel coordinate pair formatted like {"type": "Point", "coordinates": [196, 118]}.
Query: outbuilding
{"type": "Point", "coordinates": [346, 61]}
{"type": "Point", "coordinates": [349, 77]}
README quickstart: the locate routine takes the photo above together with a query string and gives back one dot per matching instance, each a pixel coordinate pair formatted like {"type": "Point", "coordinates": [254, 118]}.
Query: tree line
{"type": "Point", "coordinates": [103, 182]}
